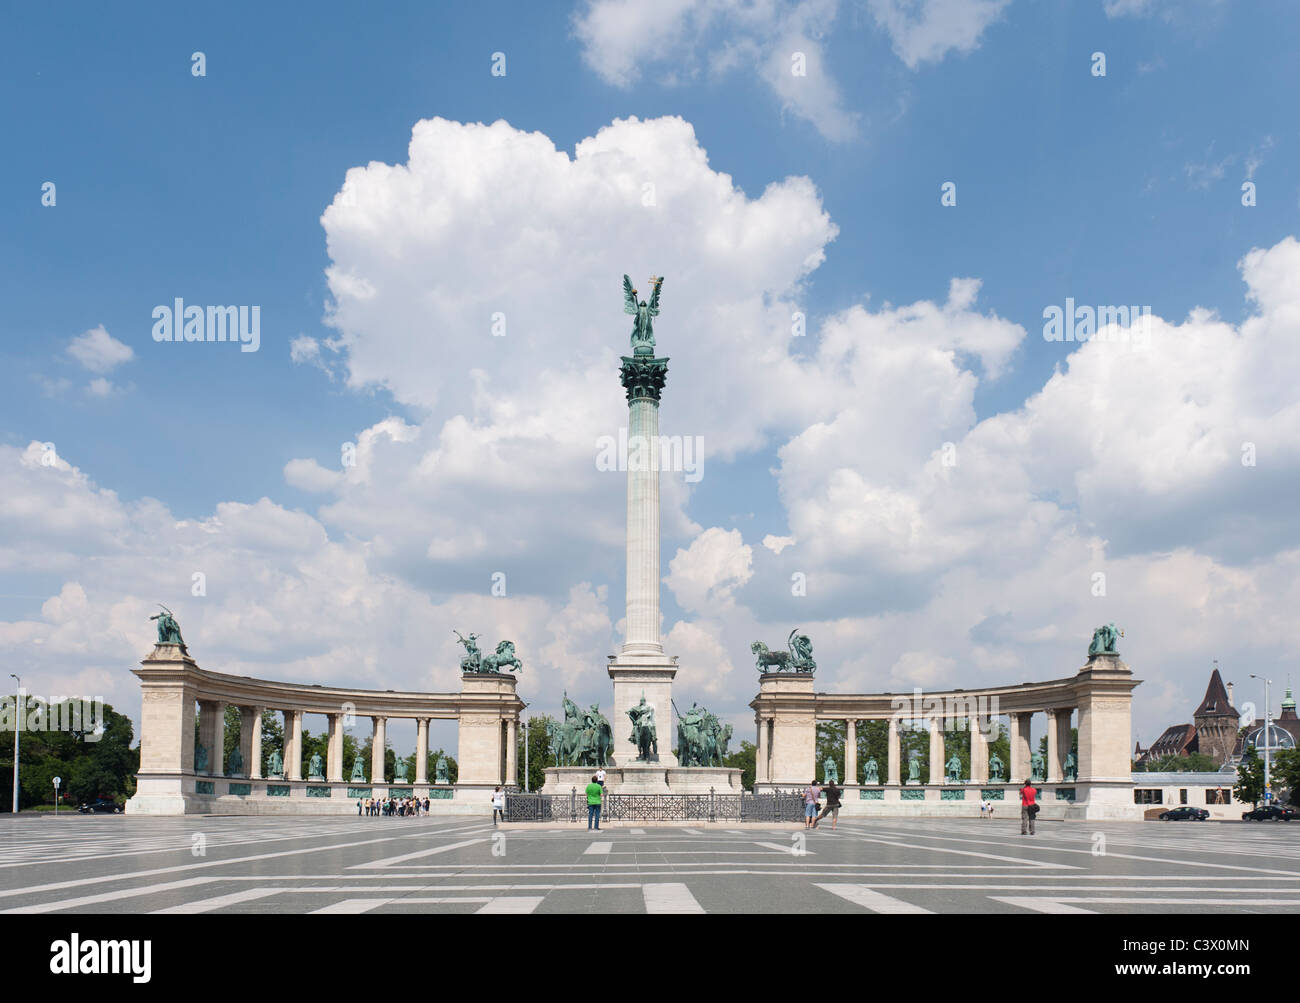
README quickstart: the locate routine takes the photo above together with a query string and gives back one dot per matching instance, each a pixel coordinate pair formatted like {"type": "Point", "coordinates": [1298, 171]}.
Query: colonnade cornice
{"type": "Point", "coordinates": [246, 691]}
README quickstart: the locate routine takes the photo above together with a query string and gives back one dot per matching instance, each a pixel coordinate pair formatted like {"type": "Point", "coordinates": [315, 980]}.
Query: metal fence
{"type": "Point", "coordinates": [572, 807]}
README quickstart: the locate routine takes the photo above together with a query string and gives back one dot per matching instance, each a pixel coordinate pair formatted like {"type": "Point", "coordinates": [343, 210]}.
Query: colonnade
{"type": "Point", "coordinates": [177, 694]}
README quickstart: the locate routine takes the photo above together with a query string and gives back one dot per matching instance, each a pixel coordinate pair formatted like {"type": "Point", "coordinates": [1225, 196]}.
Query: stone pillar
{"type": "Point", "coordinates": [334, 750]}
{"type": "Point", "coordinates": [212, 734]}
{"type": "Point", "coordinates": [936, 750]}
{"type": "Point", "coordinates": [1064, 736]}
{"type": "Point", "coordinates": [512, 752]}
{"type": "Point", "coordinates": [979, 750]}
{"type": "Point", "coordinates": [894, 752]}
{"type": "Point", "coordinates": [760, 750]}
{"type": "Point", "coordinates": [643, 527]}
{"type": "Point", "coordinates": [377, 745]}
{"type": "Point", "coordinates": [293, 744]}
{"type": "Point", "coordinates": [850, 752]}
{"type": "Point", "coordinates": [167, 716]}
{"type": "Point", "coordinates": [1019, 765]}
{"type": "Point", "coordinates": [421, 750]}
{"type": "Point", "coordinates": [254, 759]}
{"type": "Point", "coordinates": [246, 715]}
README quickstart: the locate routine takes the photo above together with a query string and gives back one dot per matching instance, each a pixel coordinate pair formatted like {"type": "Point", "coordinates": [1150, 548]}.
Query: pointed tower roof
{"type": "Point", "coordinates": [1288, 705]}
{"type": "Point", "coordinates": [1216, 703]}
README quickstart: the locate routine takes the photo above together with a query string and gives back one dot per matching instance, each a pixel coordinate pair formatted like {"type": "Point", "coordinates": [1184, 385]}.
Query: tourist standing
{"type": "Point", "coordinates": [985, 810]}
{"type": "Point", "coordinates": [498, 805]}
{"type": "Point", "coordinates": [810, 795]}
{"type": "Point", "coordinates": [1028, 808]}
{"type": "Point", "coordinates": [832, 805]}
{"type": "Point", "coordinates": [359, 806]}
{"type": "Point", "coordinates": [600, 777]}
{"type": "Point", "coordinates": [594, 791]}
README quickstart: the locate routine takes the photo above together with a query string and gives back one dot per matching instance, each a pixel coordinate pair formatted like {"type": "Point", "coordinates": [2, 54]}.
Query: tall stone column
{"type": "Point", "coordinates": [1064, 737]}
{"type": "Point", "coordinates": [641, 668]}
{"type": "Point", "coordinates": [377, 745]}
{"type": "Point", "coordinates": [979, 750]}
{"type": "Point", "coordinates": [334, 751]}
{"type": "Point", "coordinates": [212, 734]}
{"type": "Point", "coordinates": [293, 744]}
{"type": "Point", "coordinates": [254, 759]}
{"type": "Point", "coordinates": [894, 752]}
{"type": "Point", "coordinates": [760, 750]}
{"type": "Point", "coordinates": [1054, 765]}
{"type": "Point", "coordinates": [1019, 765]}
{"type": "Point", "coordinates": [246, 717]}
{"type": "Point", "coordinates": [850, 752]}
{"type": "Point", "coordinates": [936, 750]}
{"type": "Point", "coordinates": [422, 750]}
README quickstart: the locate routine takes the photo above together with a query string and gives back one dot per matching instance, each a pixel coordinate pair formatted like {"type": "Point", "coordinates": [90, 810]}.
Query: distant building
{"type": "Point", "coordinates": [1213, 731]}
{"type": "Point", "coordinates": [1216, 722]}
{"type": "Point", "coordinates": [1283, 733]}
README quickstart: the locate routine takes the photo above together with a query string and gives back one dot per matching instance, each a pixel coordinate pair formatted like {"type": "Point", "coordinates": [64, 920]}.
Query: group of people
{"type": "Point", "coordinates": [812, 796]}
{"type": "Point", "coordinates": [812, 802]}
{"type": "Point", "coordinates": [407, 806]}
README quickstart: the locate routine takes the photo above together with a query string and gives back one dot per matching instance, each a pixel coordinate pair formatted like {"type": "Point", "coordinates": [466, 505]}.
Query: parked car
{"type": "Point", "coordinates": [1269, 813]}
{"type": "Point", "coordinates": [1184, 813]}
{"type": "Point", "coordinates": [101, 806]}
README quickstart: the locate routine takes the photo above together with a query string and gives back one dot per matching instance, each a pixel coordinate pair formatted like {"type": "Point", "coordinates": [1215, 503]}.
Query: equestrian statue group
{"type": "Point", "coordinates": [583, 738]}
{"type": "Point", "coordinates": [477, 662]}
{"type": "Point", "coordinates": [798, 659]}
{"type": "Point", "coordinates": [701, 738]}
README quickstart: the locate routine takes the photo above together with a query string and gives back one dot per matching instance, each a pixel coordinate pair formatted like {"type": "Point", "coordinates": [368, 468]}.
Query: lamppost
{"type": "Point", "coordinates": [18, 718]}
{"type": "Point", "coordinates": [1268, 683]}
{"type": "Point", "coordinates": [527, 735]}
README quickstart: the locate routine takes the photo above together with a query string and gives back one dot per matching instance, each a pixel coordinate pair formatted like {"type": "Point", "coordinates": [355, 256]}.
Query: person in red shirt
{"type": "Point", "coordinates": [1028, 808]}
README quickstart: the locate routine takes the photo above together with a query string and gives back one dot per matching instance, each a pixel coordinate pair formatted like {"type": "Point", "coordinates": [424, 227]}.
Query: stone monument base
{"type": "Point", "coordinates": [646, 778]}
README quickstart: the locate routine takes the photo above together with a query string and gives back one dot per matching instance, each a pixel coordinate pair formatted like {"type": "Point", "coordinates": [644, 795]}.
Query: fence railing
{"type": "Point", "coordinates": [779, 806]}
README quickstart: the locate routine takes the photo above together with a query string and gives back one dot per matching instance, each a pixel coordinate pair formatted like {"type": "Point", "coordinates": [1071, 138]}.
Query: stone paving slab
{"type": "Point", "coordinates": [376, 866]}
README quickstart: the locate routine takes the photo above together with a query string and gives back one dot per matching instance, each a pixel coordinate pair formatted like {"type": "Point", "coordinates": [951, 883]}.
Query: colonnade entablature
{"type": "Point", "coordinates": [1096, 699]}
{"type": "Point", "coordinates": [177, 772]}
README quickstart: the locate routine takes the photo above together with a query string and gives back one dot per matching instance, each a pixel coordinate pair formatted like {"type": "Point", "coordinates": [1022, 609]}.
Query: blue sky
{"type": "Point", "coordinates": [1119, 189]}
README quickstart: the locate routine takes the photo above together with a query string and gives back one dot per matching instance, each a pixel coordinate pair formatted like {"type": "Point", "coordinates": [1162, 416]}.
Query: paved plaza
{"type": "Point", "coordinates": [116, 864]}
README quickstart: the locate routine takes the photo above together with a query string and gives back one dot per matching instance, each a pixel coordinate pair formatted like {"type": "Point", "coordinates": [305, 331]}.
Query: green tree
{"type": "Point", "coordinates": [539, 752]}
{"type": "Point", "coordinates": [1250, 778]}
{"type": "Point", "coordinates": [1286, 772]}
{"type": "Point", "coordinates": [92, 762]}
{"type": "Point", "coordinates": [743, 759]}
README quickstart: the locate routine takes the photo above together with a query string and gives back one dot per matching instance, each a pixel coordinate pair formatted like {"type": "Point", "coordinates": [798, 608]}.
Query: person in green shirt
{"type": "Point", "coordinates": [593, 804]}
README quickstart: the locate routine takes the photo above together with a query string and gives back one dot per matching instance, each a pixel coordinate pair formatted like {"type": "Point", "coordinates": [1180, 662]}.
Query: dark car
{"type": "Point", "coordinates": [1184, 813]}
{"type": "Point", "coordinates": [101, 806]}
{"type": "Point", "coordinates": [1269, 813]}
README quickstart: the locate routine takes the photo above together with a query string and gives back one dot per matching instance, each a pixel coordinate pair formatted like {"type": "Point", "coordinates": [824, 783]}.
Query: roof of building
{"type": "Point", "coordinates": [1216, 702]}
{"type": "Point", "coordinates": [1173, 741]}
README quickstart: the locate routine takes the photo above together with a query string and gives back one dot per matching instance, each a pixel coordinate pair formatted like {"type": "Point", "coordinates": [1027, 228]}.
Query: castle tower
{"type": "Point", "coordinates": [1217, 722]}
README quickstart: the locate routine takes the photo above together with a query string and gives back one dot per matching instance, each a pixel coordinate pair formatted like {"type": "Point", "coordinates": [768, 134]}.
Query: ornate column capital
{"type": "Point", "coordinates": [643, 378]}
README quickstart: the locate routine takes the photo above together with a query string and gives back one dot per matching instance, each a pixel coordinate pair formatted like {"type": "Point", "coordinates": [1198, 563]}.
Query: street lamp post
{"type": "Point", "coordinates": [1268, 683]}
{"type": "Point", "coordinates": [18, 717]}
{"type": "Point", "coordinates": [527, 735]}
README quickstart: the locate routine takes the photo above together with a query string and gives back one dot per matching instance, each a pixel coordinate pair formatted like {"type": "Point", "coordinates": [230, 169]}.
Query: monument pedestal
{"type": "Point", "coordinates": [644, 778]}
{"type": "Point", "coordinates": [650, 674]}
